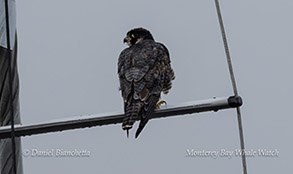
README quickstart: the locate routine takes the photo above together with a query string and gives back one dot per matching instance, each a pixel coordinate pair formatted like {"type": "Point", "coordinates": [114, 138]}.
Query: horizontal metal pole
{"type": "Point", "coordinates": [214, 104]}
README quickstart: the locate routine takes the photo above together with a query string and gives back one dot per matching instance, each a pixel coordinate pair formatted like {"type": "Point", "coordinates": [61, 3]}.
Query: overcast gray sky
{"type": "Point", "coordinates": [68, 53]}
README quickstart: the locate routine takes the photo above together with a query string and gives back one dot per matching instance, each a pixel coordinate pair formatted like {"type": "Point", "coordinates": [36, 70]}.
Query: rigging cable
{"type": "Point", "coordinates": [233, 84]}
{"type": "Point", "coordinates": [10, 87]}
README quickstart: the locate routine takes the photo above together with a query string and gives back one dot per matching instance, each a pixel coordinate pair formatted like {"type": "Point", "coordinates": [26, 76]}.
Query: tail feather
{"type": "Point", "coordinates": [131, 112]}
{"type": "Point", "coordinates": [147, 112]}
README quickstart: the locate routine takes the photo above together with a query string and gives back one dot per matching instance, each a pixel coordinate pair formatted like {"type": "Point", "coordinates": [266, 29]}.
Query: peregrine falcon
{"type": "Point", "coordinates": [144, 72]}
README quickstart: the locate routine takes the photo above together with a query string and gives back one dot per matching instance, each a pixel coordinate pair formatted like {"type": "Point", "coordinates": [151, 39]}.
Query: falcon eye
{"type": "Point", "coordinates": [132, 35]}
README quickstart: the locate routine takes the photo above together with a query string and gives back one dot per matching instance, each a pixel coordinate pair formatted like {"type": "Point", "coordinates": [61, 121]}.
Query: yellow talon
{"type": "Point", "coordinates": [160, 103]}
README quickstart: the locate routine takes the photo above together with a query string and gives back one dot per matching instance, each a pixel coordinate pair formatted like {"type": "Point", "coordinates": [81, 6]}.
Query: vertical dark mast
{"type": "Point", "coordinates": [10, 158]}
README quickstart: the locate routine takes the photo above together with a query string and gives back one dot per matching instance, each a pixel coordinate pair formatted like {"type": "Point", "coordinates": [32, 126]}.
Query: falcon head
{"type": "Point", "coordinates": [136, 35]}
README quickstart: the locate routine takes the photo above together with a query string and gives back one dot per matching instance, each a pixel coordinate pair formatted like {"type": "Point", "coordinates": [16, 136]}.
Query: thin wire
{"type": "Point", "coordinates": [233, 84]}
{"type": "Point", "coordinates": [226, 48]}
{"type": "Point", "coordinates": [11, 87]}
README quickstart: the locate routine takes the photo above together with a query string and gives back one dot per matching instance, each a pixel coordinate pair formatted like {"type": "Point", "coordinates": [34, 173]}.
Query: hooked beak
{"type": "Point", "coordinates": [125, 40]}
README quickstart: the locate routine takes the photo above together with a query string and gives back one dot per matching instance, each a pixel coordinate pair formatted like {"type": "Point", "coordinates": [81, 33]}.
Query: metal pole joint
{"type": "Point", "coordinates": [235, 101]}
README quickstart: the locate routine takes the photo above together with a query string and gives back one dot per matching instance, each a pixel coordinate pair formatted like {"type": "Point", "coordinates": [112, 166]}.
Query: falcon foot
{"type": "Point", "coordinates": [160, 103]}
